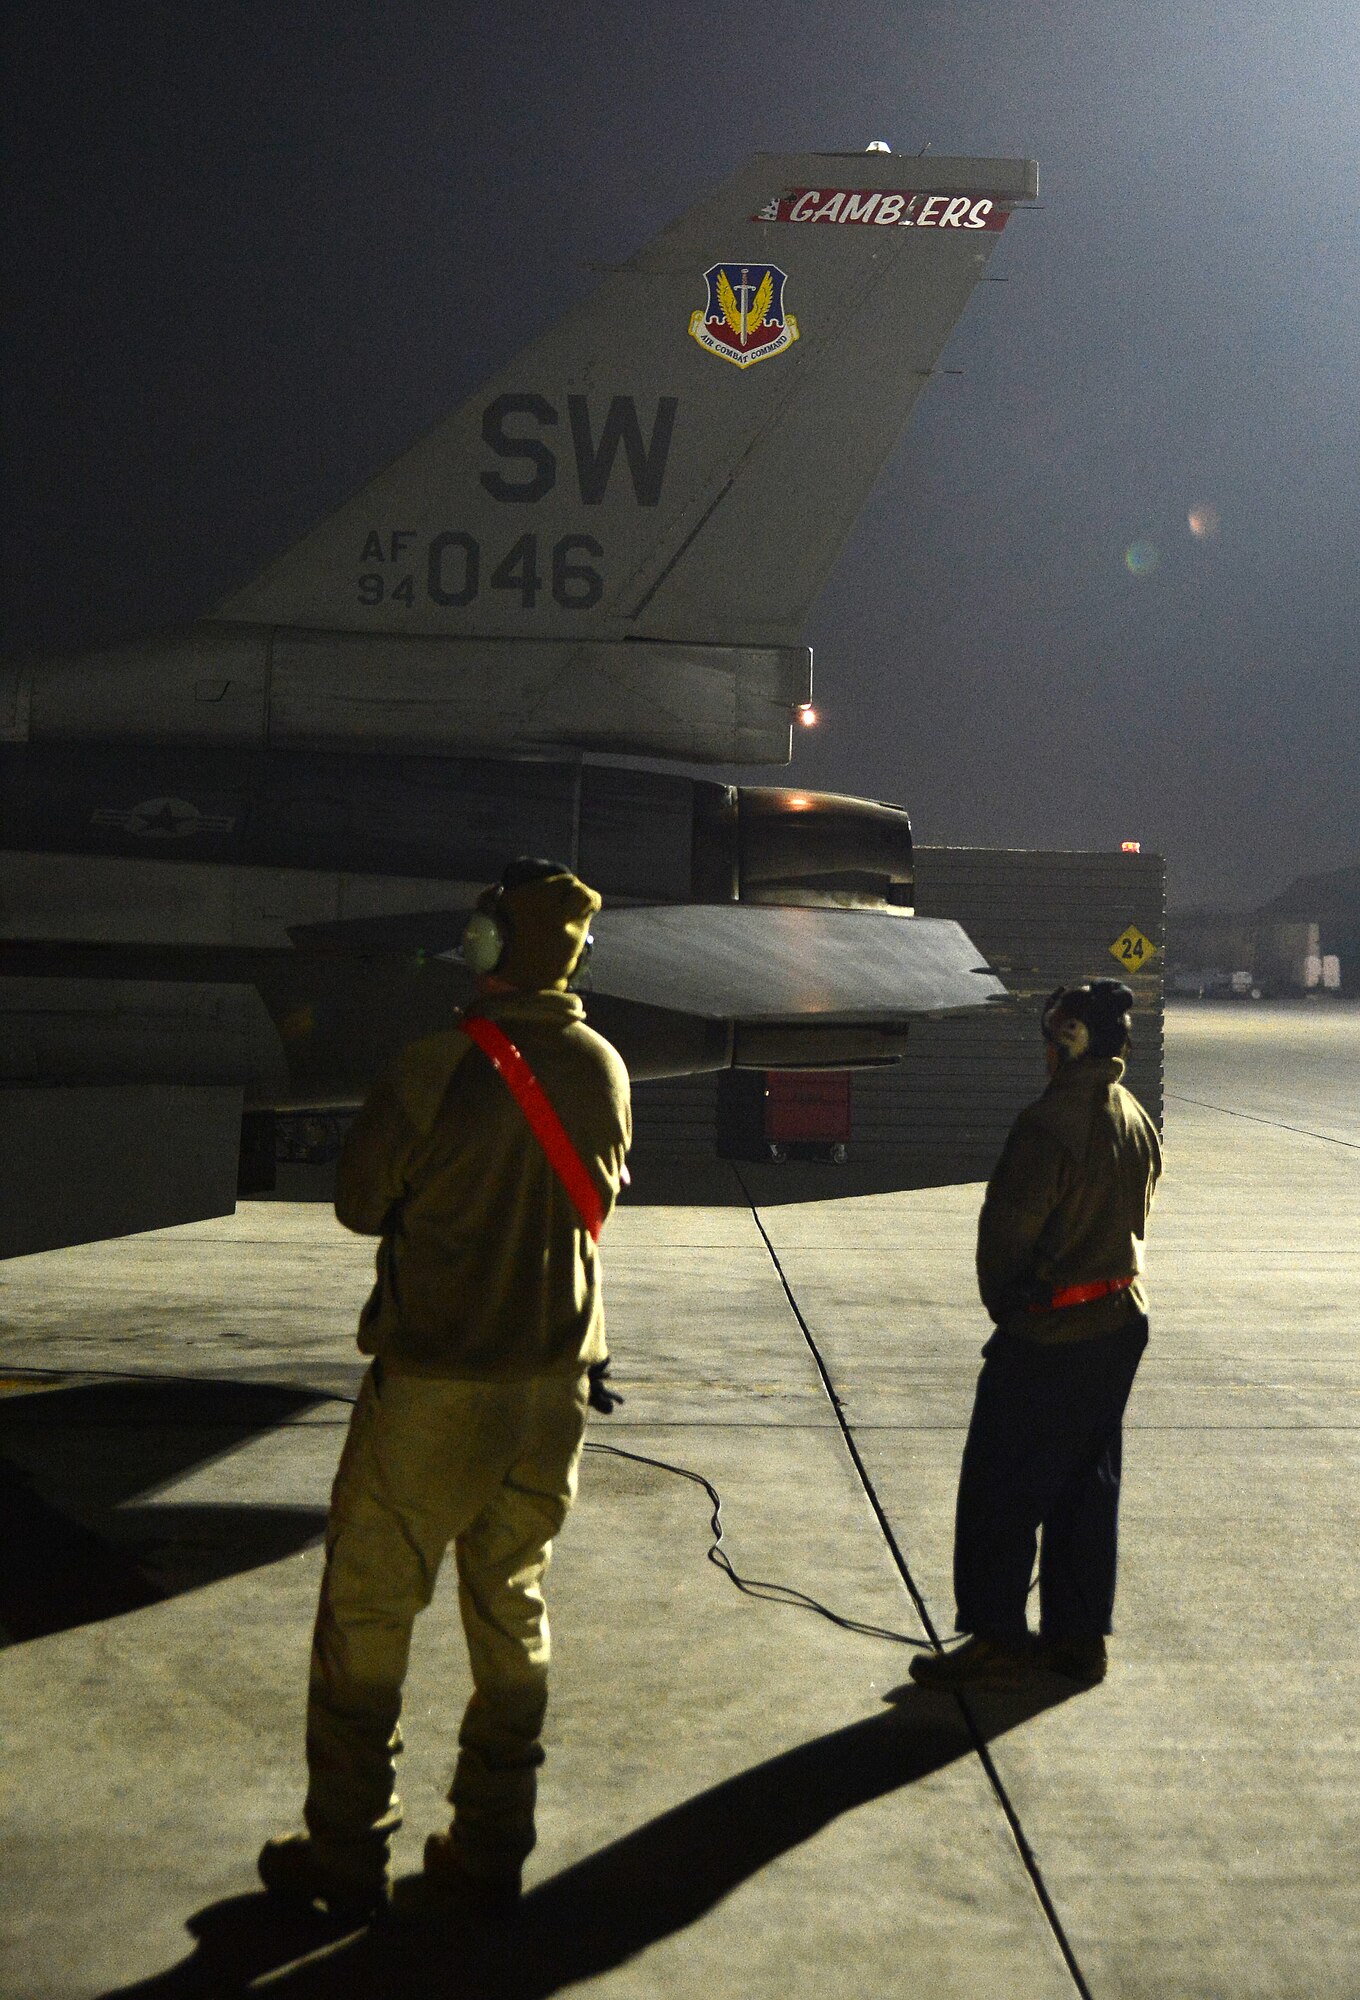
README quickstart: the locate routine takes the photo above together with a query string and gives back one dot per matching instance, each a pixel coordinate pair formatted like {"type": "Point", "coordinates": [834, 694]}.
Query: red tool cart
{"type": "Point", "coordinates": [807, 1114]}
{"type": "Point", "coordinates": [783, 1114]}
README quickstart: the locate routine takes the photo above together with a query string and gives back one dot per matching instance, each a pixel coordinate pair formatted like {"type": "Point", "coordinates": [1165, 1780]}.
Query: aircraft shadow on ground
{"type": "Point", "coordinates": [76, 1548]}
{"type": "Point", "coordinates": [659, 1182]}
{"type": "Point", "coordinates": [662, 1180]}
{"type": "Point", "coordinates": [606, 1909]}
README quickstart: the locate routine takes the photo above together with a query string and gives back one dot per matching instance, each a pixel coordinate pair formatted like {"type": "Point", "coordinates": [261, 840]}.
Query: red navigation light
{"type": "Point", "coordinates": [1130, 847]}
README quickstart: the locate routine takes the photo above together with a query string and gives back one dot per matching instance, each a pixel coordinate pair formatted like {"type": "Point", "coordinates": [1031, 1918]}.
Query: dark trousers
{"type": "Point", "coordinates": [1043, 1453]}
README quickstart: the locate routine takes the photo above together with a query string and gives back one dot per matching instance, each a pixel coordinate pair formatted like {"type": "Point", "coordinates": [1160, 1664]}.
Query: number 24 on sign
{"type": "Point", "coordinates": [1132, 949]}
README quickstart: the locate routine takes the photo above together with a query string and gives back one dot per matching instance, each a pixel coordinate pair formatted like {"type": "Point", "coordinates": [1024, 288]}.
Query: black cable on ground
{"type": "Point", "coordinates": [769, 1593]}
{"type": "Point", "coordinates": [1026, 1852]}
{"type": "Point", "coordinates": [781, 1593]}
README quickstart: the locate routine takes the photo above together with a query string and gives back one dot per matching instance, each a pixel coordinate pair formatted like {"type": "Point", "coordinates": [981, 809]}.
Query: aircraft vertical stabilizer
{"type": "Point", "coordinates": [681, 458]}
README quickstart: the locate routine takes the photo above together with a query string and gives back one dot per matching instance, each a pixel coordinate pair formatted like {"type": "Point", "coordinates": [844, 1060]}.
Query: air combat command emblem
{"type": "Point", "coordinates": [744, 320]}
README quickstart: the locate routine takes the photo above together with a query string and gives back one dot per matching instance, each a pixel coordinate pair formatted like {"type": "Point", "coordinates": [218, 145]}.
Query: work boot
{"type": "Point", "coordinates": [449, 1878]}
{"type": "Point", "coordinates": [296, 1871]}
{"type": "Point", "coordinates": [977, 1659]}
{"type": "Point", "coordinates": [1084, 1660]}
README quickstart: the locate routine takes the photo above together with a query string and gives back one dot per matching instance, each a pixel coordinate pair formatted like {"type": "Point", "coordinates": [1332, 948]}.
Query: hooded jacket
{"type": "Point", "coordinates": [1068, 1205]}
{"type": "Point", "coordinates": [485, 1269]}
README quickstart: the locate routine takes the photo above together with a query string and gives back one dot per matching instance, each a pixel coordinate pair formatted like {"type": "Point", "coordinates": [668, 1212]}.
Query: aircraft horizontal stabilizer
{"type": "Point", "coordinates": [737, 961]}
{"type": "Point", "coordinates": [754, 962]}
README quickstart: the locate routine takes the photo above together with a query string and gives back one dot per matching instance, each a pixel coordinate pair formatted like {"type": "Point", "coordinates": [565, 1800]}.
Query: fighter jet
{"type": "Point", "coordinates": [237, 857]}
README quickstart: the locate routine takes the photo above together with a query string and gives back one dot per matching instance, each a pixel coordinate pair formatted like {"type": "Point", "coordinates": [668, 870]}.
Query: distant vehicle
{"type": "Point", "coordinates": [1210, 983]}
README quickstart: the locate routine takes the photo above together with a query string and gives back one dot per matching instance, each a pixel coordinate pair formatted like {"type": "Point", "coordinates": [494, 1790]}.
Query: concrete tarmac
{"type": "Point", "coordinates": [739, 1798]}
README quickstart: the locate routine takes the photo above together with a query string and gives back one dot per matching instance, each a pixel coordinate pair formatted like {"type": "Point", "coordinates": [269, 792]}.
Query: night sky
{"type": "Point", "coordinates": [252, 252]}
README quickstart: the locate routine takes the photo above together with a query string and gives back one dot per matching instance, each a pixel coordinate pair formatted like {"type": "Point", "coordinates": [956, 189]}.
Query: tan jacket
{"type": "Point", "coordinates": [1069, 1203]}
{"type": "Point", "coordinates": [485, 1269]}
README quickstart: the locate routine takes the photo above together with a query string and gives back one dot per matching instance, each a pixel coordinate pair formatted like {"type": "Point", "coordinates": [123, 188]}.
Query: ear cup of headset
{"type": "Point", "coordinates": [1069, 1035]}
{"type": "Point", "coordinates": [483, 944]}
{"type": "Point", "coordinates": [1096, 1016]}
{"type": "Point", "coordinates": [1048, 1010]}
{"type": "Point", "coordinates": [1073, 1038]}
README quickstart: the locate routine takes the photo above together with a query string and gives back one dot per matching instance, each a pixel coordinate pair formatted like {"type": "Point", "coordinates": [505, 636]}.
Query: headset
{"type": "Point", "coordinates": [488, 933]}
{"type": "Point", "coordinates": [1102, 1007]}
{"type": "Point", "coordinates": [1069, 1036]}
{"type": "Point", "coordinates": [486, 937]}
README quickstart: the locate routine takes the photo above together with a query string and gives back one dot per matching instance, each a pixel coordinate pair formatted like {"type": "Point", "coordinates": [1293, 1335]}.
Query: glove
{"type": "Point", "coordinates": [603, 1396]}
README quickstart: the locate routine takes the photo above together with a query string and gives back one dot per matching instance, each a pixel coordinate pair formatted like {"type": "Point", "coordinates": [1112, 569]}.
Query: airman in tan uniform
{"type": "Point", "coordinates": [484, 1323]}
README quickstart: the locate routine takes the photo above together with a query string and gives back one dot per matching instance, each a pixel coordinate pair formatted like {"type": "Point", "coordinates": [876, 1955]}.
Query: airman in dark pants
{"type": "Point", "coordinates": [1060, 1257]}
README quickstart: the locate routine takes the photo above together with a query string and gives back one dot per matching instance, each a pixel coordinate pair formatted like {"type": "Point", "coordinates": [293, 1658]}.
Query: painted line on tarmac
{"type": "Point", "coordinates": [1027, 1855]}
{"type": "Point", "coordinates": [1253, 1118]}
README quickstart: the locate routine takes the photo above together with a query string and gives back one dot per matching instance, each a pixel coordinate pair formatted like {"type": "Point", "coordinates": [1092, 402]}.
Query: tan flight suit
{"type": "Point", "coordinates": [1068, 1204]}
{"type": "Point", "coordinates": [486, 1313]}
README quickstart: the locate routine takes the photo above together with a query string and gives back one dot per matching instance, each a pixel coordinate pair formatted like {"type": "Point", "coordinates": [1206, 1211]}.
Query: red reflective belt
{"type": "Point", "coordinates": [1082, 1295]}
{"type": "Point", "coordinates": [544, 1122]}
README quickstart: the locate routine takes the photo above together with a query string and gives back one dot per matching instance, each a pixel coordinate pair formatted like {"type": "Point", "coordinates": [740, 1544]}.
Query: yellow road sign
{"type": "Point", "coordinates": [1132, 949]}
